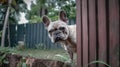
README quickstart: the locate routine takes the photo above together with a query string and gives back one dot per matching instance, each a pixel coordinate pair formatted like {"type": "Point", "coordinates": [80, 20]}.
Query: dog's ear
{"type": "Point", "coordinates": [46, 20]}
{"type": "Point", "coordinates": [63, 16]}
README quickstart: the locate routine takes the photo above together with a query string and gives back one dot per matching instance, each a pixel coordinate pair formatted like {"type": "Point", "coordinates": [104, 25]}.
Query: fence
{"type": "Point", "coordinates": [33, 34]}
{"type": "Point", "coordinates": [98, 32]}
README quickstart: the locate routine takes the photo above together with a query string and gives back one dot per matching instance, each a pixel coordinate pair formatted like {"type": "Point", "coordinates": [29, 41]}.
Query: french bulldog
{"type": "Point", "coordinates": [60, 32]}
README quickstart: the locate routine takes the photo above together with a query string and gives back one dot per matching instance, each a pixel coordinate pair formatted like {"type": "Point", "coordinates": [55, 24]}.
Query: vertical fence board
{"type": "Point", "coordinates": [79, 41]}
{"type": "Point", "coordinates": [30, 35]}
{"type": "Point", "coordinates": [13, 36]}
{"type": "Point", "coordinates": [100, 32]}
{"type": "Point", "coordinates": [40, 33]}
{"type": "Point", "coordinates": [38, 27]}
{"type": "Point", "coordinates": [102, 50]}
{"type": "Point", "coordinates": [85, 32]}
{"type": "Point", "coordinates": [20, 32]}
{"type": "Point", "coordinates": [92, 32]}
{"type": "Point", "coordinates": [33, 34]}
{"type": "Point", "coordinates": [114, 32]}
{"type": "Point", "coordinates": [27, 38]}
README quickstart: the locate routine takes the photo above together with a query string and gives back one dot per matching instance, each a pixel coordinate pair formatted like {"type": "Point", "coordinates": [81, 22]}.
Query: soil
{"type": "Point", "coordinates": [18, 61]}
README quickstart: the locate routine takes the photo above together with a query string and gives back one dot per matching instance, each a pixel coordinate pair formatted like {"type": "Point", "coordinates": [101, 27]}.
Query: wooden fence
{"type": "Point", "coordinates": [33, 35]}
{"type": "Point", "coordinates": [98, 32]}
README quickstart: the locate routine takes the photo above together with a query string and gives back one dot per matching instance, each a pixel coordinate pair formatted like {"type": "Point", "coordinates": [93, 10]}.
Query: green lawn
{"type": "Point", "coordinates": [56, 54]}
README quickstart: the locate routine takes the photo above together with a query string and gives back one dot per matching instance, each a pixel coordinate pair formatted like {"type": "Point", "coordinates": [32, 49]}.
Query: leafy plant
{"type": "Point", "coordinates": [22, 63]}
{"type": "Point", "coordinates": [3, 52]}
{"type": "Point", "coordinates": [2, 57]}
{"type": "Point", "coordinates": [39, 46]}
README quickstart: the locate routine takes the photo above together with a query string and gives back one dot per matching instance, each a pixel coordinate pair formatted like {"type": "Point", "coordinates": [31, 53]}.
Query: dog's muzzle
{"type": "Point", "coordinates": [57, 36]}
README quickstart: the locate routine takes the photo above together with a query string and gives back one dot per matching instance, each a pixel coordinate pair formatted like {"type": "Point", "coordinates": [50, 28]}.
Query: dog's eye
{"type": "Point", "coordinates": [50, 31]}
{"type": "Point", "coordinates": [62, 28]}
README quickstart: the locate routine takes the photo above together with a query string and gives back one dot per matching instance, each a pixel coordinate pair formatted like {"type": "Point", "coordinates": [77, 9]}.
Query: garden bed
{"type": "Point", "coordinates": [12, 57]}
{"type": "Point", "coordinates": [13, 60]}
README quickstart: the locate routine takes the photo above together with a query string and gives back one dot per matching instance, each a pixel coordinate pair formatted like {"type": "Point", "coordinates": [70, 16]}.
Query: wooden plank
{"type": "Point", "coordinates": [114, 32]}
{"type": "Point", "coordinates": [102, 49]}
{"type": "Point", "coordinates": [92, 32]}
{"type": "Point", "coordinates": [78, 22]}
{"type": "Point", "coordinates": [85, 32]}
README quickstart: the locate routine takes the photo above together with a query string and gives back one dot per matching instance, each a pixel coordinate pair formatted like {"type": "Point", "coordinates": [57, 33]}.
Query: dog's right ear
{"type": "Point", "coordinates": [46, 21]}
{"type": "Point", "coordinates": [63, 16]}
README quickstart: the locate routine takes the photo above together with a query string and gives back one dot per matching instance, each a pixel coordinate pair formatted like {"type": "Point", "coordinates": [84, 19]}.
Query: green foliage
{"type": "Point", "coordinates": [50, 8]}
{"type": "Point", "coordinates": [57, 54]}
{"type": "Point", "coordinates": [0, 33]}
{"type": "Point", "coordinates": [2, 57]}
{"type": "Point", "coordinates": [22, 63]}
{"type": "Point", "coordinates": [17, 6]}
{"type": "Point", "coordinates": [35, 19]}
{"type": "Point", "coordinates": [3, 52]}
{"type": "Point", "coordinates": [39, 46]}
{"type": "Point", "coordinates": [63, 58]}
{"type": "Point", "coordinates": [7, 50]}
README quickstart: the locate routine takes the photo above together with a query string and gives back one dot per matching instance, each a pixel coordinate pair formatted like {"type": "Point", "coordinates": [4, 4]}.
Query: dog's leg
{"type": "Point", "coordinates": [71, 55]}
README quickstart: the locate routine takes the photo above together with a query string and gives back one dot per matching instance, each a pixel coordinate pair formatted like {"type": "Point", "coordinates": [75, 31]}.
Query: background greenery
{"type": "Point", "coordinates": [17, 6]}
{"type": "Point", "coordinates": [50, 8]}
{"type": "Point", "coordinates": [38, 9]}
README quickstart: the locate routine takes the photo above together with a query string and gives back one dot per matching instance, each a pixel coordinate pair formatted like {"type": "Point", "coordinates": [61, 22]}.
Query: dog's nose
{"type": "Point", "coordinates": [57, 33]}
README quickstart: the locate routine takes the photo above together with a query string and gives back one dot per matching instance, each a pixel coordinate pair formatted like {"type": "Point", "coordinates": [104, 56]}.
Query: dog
{"type": "Point", "coordinates": [60, 32]}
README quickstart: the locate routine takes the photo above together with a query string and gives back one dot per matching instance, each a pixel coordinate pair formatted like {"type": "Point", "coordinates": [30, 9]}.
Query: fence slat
{"type": "Point", "coordinates": [114, 32]}
{"type": "Point", "coordinates": [85, 32]}
{"type": "Point", "coordinates": [92, 32]}
{"type": "Point", "coordinates": [100, 32]}
{"type": "Point", "coordinates": [102, 49]}
{"type": "Point", "coordinates": [13, 36]}
{"type": "Point", "coordinates": [79, 32]}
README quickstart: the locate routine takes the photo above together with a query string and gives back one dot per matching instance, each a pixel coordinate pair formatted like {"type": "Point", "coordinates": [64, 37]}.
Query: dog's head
{"type": "Point", "coordinates": [58, 30]}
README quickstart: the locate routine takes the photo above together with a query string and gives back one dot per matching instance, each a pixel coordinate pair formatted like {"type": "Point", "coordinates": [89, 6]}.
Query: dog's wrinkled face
{"type": "Point", "coordinates": [58, 30]}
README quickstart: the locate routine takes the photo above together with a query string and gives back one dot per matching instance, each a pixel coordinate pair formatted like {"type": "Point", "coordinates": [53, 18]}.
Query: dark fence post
{"type": "Point", "coordinates": [114, 33]}
{"type": "Point", "coordinates": [92, 32]}
{"type": "Point", "coordinates": [79, 33]}
{"type": "Point", "coordinates": [98, 32]}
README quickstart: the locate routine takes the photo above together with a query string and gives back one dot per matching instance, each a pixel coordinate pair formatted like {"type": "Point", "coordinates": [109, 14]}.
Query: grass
{"type": "Point", "coordinates": [44, 54]}
{"type": "Point", "coordinates": [56, 54]}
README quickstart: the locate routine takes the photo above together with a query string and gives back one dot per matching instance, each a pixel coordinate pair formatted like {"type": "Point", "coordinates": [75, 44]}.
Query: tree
{"type": "Point", "coordinates": [50, 8]}
{"type": "Point", "coordinates": [11, 11]}
{"type": "Point", "coordinates": [5, 23]}
{"type": "Point", "coordinates": [17, 6]}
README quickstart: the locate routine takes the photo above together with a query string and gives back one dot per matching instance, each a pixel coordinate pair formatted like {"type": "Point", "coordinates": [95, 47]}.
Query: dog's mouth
{"type": "Point", "coordinates": [58, 39]}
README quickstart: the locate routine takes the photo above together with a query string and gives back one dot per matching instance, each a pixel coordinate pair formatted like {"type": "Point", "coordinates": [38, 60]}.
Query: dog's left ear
{"type": "Point", "coordinates": [63, 16]}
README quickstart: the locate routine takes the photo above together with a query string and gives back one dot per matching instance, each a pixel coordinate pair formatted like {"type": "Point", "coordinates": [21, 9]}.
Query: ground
{"type": "Point", "coordinates": [33, 56]}
{"type": "Point", "coordinates": [56, 54]}
{"type": "Point", "coordinates": [53, 54]}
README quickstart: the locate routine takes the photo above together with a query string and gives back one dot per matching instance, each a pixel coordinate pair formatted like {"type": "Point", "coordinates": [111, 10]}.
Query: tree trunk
{"type": "Point", "coordinates": [5, 23]}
